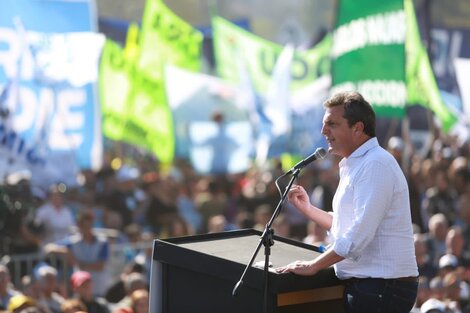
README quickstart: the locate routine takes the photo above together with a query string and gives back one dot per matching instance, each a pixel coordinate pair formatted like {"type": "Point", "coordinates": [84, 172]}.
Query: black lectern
{"type": "Point", "coordinates": [198, 273]}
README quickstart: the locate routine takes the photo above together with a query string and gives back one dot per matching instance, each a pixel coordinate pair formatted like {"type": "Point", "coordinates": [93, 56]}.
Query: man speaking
{"type": "Point", "coordinates": [373, 250]}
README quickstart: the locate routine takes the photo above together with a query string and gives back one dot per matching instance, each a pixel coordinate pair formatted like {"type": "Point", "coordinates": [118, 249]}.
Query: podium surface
{"type": "Point", "coordinates": [198, 274]}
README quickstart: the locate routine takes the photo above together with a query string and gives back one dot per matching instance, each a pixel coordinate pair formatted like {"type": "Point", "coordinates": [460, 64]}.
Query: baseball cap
{"type": "Point", "coordinates": [448, 260]}
{"type": "Point", "coordinates": [431, 305]}
{"type": "Point", "coordinates": [78, 278]}
{"type": "Point", "coordinates": [19, 301]}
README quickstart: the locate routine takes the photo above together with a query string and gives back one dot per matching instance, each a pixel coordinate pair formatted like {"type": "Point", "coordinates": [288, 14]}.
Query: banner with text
{"type": "Point", "coordinates": [368, 53]}
{"type": "Point", "coordinates": [260, 55]}
{"type": "Point", "coordinates": [53, 114]}
{"type": "Point", "coordinates": [165, 38]}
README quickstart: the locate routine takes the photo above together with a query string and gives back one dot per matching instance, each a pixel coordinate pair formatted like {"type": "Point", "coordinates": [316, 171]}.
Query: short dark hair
{"type": "Point", "coordinates": [356, 109]}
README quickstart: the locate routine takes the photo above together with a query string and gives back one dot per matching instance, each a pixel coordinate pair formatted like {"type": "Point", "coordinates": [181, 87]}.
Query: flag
{"type": "Point", "coordinates": [68, 107]}
{"type": "Point", "coordinates": [277, 105]}
{"type": "Point", "coordinates": [368, 53]}
{"type": "Point", "coordinates": [422, 88]}
{"type": "Point", "coordinates": [134, 105]}
{"type": "Point", "coordinates": [462, 71]}
{"type": "Point", "coordinates": [260, 56]}
{"type": "Point", "coordinates": [66, 57]}
{"type": "Point", "coordinates": [165, 38]}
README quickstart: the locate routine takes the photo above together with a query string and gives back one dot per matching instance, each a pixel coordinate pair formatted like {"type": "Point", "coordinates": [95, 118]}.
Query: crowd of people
{"type": "Point", "coordinates": [135, 204]}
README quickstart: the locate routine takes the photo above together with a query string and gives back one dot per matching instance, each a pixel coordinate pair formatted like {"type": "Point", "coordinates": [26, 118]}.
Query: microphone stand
{"type": "Point", "coordinates": [267, 241]}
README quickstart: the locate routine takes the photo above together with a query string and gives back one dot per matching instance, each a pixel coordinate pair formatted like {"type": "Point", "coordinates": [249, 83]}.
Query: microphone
{"type": "Point", "coordinates": [320, 153]}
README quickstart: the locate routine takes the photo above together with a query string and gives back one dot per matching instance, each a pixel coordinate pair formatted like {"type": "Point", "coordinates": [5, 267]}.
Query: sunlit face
{"type": "Point", "coordinates": [338, 134]}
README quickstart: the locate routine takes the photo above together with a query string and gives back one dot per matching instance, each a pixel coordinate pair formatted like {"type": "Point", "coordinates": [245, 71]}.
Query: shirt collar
{"type": "Point", "coordinates": [362, 150]}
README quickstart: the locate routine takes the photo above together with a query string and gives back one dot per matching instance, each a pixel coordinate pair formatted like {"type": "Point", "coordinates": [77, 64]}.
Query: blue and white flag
{"type": "Point", "coordinates": [56, 113]}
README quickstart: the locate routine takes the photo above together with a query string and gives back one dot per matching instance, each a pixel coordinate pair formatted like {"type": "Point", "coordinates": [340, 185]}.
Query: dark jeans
{"type": "Point", "coordinates": [374, 295]}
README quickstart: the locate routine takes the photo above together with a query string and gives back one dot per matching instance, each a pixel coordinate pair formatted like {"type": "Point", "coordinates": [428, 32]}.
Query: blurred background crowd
{"type": "Point", "coordinates": [101, 233]}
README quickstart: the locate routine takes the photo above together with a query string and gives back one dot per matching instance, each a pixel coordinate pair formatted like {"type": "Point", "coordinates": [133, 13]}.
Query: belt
{"type": "Point", "coordinates": [410, 279]}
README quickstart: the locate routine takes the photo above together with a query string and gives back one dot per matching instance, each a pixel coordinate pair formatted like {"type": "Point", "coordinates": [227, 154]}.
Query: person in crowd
{"type": "Point", "coordinates": [281, 226]}
{"type": "Point", "coordinates": [89, 252]}
{"type": "Point", "coordinates": [82, 286]}
{"type": "Point", "coordinates": [423, 295]}
{"type": "Point", "coordinates": [140, 301]}
{"type": "Point", "coordinates": [20, 302]}
{"type": "Point", "coordinates": [438, 228]}
{"type": "Point", "coordinates": [160, 207]}
{"type": "Point", "coordinates": [441, 198]}
{"type": "Point", "coordinates": [426, 267]}
{"type": "Point", "coordinates": [371, 221]}
{"type": "Point", "coordinates": [316, 235]}
{"type": "Point", "coordinates": [455, 243]}
{"type": "Point", "coordinates": [211, 200]}
{"type": "Point", "coordinates": [6, 288]}
{"type": "Point", "coordinates": [464, 212]}
{"type": "Point", "coordinates": [452, 291]}
{"type": "Point", "coordinates": [447, 263]}
{"type": "Point", "coordinates": [72, 305]}
{"type": "Point", "coordinates": [55, 216]}
{"type": "Point", "coordinates": [132, 282]}
{"type": "Point", "coordinates": [48, 286]}
{"type": "Point", "coordinates": [124, 198]}
{"type": "Point", "coordinates": [433, 305]}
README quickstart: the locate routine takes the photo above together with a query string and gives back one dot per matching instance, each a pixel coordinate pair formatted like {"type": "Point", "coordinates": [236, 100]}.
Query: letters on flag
{"type": "Point", "coordinates": [165, 38]}
{"type": "Point", "coordinates": [53, 119]}
{"type": "Point", "coordinates": [368, 53]}
{"type": "Point", "coordinates": [260, 55]}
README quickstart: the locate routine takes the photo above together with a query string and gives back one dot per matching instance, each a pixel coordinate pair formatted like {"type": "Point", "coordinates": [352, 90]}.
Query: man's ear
{"type": "Point", "coordinates": [359, 126]}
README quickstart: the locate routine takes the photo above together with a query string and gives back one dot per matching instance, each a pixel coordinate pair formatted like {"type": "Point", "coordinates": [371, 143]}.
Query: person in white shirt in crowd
{"type": "Point", "coordinates": [55, 217]}
{"type": "Point", "coordinates": [373, 248]}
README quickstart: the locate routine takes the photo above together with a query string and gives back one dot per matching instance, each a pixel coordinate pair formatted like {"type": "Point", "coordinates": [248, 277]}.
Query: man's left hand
{"type": "Point", "coordinates": [304, 268]}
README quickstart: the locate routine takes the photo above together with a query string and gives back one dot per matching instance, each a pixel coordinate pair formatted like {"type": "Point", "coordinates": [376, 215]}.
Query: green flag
{"type": "Point", "coordinates": [134, 106]}
{"type": "Point", "coordinates": [232, 42]}
{"type": "Point", "coordinates": [114, 86]}
{"type": "Point", "coordinates": [166, 38]}
{"type": "Point", "coordinates": [421, 85]}
{"type": "Point", "coordinates": [368, 53]}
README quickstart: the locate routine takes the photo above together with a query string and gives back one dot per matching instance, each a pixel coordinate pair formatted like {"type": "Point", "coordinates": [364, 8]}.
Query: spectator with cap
{"type": "Point", "coordinates": [447, 263]}
{"type": "Point", "coordinates": [48, 285]}
{"type": "Point", "coordinates": [20, 302]}
{"type": "Point", "coordinates": [82, 285]}
{"type": "Point", "coordinates": [433, 306]}
{"type": "Point", "coordinates": [6, 288]}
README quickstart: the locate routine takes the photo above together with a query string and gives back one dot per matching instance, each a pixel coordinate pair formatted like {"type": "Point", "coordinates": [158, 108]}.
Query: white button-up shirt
{"type": "Point", "coordinates": [371, 216]}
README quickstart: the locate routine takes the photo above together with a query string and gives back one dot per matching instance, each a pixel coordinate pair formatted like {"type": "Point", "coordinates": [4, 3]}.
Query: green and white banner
{"type": "Point", "coordinates": [260, 55]}
{"type": "Point", "coordinates": [368, 53]}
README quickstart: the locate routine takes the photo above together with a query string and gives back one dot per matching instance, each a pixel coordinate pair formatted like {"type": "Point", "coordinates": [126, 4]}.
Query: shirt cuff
{"type": "Point", "coordinates": [342, 247]}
